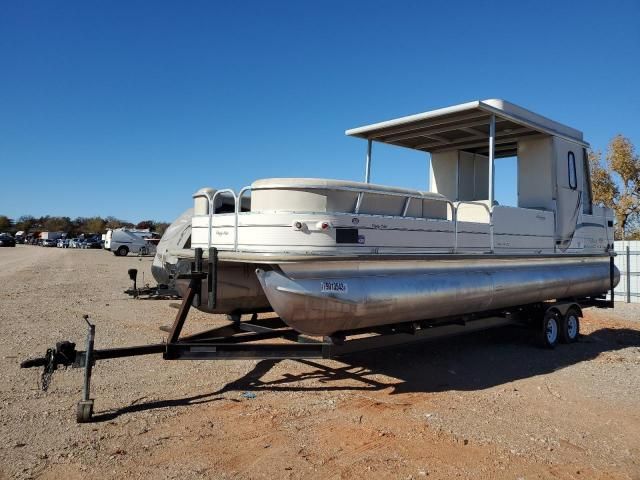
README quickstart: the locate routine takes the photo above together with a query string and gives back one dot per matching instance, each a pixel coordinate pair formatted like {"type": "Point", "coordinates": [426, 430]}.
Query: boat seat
{"type": "Point", "coordinates": [434, 207]}
{"type": "Point", "coordinates": [467, 212]}
{"type": "Point", "coordinates": [327, 195]}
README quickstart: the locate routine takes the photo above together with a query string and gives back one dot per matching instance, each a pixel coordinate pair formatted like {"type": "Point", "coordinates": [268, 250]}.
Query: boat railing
{"type": "Point", "coordinates": [211, 199]}
{"type": "Point", "coordinates": [238, 209]}
{"type": "Point", "coordinates": [237, 200]}
{"type": "Point", "coordinates": [489, 214]}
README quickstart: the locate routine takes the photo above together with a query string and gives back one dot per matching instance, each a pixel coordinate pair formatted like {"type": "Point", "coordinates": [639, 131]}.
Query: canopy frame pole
{"type": "Point", "coordinates": [367, 171]}
{"type": "Point", "coordinates": [492, 170]}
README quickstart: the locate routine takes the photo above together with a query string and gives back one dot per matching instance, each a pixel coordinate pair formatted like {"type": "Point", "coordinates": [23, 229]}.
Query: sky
{"type": "Point", "coordinates": [126, 108]}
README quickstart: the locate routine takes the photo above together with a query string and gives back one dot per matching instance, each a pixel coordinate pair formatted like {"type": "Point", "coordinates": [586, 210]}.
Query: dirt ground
{"type": "Point", "coordinates": [483, 406]}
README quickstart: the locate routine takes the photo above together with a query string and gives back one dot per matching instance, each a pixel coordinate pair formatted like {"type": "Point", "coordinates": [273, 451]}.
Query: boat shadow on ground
{"type": "Point", "coordinates": [471, 362]}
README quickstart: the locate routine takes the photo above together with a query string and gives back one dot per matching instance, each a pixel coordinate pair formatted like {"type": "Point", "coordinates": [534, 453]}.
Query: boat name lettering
{"type": "Point", "coordinates": [379, 225]}
{"type": "Point", "coordinates": [333, 287]}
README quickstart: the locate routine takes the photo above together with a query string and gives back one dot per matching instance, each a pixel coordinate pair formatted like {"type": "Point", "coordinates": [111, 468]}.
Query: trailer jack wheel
{"type": "Point", "coordinates": [84, 411]}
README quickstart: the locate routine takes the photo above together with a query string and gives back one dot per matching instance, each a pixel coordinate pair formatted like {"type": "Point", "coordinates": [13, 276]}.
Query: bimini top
{"type": "Point", "coordinates": [466, 127]}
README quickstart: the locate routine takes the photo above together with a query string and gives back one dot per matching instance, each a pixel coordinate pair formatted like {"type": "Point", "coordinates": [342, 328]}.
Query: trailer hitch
{"type": "Point", "coordinates": [64, 354]}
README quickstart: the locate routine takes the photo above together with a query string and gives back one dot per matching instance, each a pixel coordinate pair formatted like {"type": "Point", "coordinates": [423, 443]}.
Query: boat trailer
{"type": "Point", "coordinates": [147, 292]}
{"type": "Point", "coordinates": [237, 340]}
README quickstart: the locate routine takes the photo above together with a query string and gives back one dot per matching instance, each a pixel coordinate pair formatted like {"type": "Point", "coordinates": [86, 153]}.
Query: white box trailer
{"type": "Point", "coordinates": [123, 241]}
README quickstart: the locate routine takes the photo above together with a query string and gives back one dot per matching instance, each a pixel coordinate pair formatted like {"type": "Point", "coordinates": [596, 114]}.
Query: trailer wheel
{"type": "Point", "coordinates": [122, 251]}
{"type": "Point", "coordinates": [570, 326]}
{"type": "Point", "coordinates": [550, 329]}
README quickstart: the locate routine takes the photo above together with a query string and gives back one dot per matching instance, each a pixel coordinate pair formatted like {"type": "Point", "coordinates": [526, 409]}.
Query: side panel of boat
{"type": "Point", "coordinates": [238, 288]}
{"type": "Point", "coordinates": [321, 299]}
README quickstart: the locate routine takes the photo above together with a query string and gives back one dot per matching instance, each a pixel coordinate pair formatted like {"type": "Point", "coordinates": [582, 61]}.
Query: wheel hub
{"type": "Point", "coordinates": [572, 326]}
{"type": "Point", "coordinates": [552, 330]}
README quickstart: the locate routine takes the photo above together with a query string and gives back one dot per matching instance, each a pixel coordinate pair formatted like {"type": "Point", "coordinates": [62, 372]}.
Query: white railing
{"type": "Point", "coordinates": [238, 209]}
{"type": "Point", "coordinates": [212, 207]}
{"type": "Point", "coordinates": [489, 214]}
{"type": "Point", "coordinates": [237, 203]}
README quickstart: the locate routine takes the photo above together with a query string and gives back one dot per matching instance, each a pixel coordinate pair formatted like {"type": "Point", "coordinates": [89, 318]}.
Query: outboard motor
{"type": "Point", "coordinates": [176, 236]}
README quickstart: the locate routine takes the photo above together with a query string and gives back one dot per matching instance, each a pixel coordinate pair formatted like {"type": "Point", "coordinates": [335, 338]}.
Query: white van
{"type": "Point", "coordinates": [122, 241]}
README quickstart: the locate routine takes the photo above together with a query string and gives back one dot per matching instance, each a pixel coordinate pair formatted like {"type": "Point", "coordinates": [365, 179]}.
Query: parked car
{"type": "Point", "coordinates": [7, 240]}
{"type": "Point", "coordinates": [92, 243]}
{"type": "Point", "coordinates": [74, 243]}
{"type": "Point", "coordinates": [49, 242]}
{"type": "Point", "coordinates": [63, 243]}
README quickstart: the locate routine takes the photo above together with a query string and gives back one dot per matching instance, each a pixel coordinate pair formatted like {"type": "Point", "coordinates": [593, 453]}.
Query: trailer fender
{"type": "Point", "coordinates": [562, 307]}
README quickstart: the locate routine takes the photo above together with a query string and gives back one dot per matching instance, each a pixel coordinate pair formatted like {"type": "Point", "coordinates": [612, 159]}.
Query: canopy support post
{"type": "Point", "coordinates": [492, 170]}
{"type": "Point", "coordinates": [367, 171]}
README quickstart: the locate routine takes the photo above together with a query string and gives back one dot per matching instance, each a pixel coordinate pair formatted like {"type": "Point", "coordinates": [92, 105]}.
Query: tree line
{"type": "Point", "coordinates": [74, 227]}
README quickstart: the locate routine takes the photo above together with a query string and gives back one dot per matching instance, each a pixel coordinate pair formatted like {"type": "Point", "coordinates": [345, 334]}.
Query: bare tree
{"type": "Point", "coordinates": [618, 184]}
{"type": "Point", "coordinates": [94, 225]}
{"type": "Point", "coordinates": [25, 223]}
{"type": "Point", "coordinates": [160, 227]}
{"type": "Point", "coordinates": [150, 224]}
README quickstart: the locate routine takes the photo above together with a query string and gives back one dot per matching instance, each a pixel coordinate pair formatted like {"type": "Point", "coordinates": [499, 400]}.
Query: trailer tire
{"type": "Point", "coordinates": [570, 326]}
{"type": "Point", "coordinates": [122, 251]}
{"type": "Point", "coordinates": [550, 328]}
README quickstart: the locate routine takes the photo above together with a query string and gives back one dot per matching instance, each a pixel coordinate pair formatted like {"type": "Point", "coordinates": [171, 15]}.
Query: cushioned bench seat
{"type": "Point", "coordinates": [326, 195]}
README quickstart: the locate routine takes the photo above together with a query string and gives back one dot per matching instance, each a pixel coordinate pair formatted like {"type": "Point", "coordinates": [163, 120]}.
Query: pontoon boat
{"type": "Point", "coordinates": [335, 255]}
